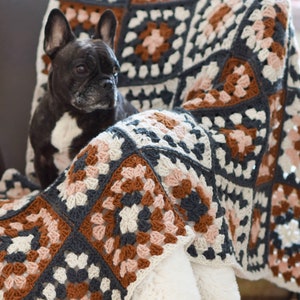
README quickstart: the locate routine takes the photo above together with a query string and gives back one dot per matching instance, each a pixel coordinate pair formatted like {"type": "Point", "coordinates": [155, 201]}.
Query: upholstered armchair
{"type": "Point", "coordinates": [201, 186]}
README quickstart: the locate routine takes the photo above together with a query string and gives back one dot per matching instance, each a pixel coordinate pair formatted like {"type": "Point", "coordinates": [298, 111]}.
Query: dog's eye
{"type": "Point", "coordinates": [81, 69]}
{"type": "Point", "coordinates": [116, 70]}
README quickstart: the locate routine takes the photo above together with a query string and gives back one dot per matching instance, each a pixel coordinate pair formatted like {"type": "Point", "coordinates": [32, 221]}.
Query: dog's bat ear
{"type": "Point", "coordinates": [58, 33]}
{"type": "Point", "coordinates": [106, 28]}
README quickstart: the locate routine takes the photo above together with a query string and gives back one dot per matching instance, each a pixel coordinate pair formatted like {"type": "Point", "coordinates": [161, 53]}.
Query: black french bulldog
{"type": "Point", "coordinates": [82, 98]}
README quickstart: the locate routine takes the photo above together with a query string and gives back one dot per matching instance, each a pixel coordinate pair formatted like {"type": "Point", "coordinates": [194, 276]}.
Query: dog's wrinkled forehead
{"type": "Point", "coordinates": [100, 47]}
{"type": "Point", "coordinates": [89, 50]}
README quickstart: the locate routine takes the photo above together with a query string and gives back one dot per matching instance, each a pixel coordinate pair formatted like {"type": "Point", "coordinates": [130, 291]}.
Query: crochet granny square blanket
{"type": "Point", "coordinates": [211, 161]}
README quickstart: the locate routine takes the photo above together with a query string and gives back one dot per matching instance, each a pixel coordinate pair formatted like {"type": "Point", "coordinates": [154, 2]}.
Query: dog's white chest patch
{"type": "Point", "coordinates": [66, 129]}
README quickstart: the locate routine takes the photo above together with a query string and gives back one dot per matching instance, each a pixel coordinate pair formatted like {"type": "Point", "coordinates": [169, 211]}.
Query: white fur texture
{"type": "Point", "coordinates": [65, 131]}
{"type": "Point", "coordinates": [171, 280]}
{"type": "Point", "coordinates": [177, 279]}
{"type": "Point", "coordinates": [216, 283]}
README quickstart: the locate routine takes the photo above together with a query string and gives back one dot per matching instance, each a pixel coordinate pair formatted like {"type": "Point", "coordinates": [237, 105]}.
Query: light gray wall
{"type": "Point", "coordinates": [20, 25]}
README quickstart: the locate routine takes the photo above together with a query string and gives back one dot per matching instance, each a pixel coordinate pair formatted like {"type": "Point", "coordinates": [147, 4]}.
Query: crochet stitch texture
{"type": "Point", "coordinates": [212, 161]}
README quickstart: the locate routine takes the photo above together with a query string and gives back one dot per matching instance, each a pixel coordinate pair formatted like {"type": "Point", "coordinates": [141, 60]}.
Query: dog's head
{"type": "Point", "coordinates": [84, 72]}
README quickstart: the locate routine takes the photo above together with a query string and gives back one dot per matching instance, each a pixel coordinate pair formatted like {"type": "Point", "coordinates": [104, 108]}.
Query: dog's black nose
{"type": "Point", "coordinates": [106, 84]}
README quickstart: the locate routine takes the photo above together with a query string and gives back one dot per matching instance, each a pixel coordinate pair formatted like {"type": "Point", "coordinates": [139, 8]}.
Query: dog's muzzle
{"type": "Point", "coordinates": [107, 84]}
{"type": "Point", "coordinates": [102, 95]}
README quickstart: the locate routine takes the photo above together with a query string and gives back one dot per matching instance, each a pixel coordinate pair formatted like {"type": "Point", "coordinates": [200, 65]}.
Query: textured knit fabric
{"type": "Point", "coordinates": [211, 162]}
